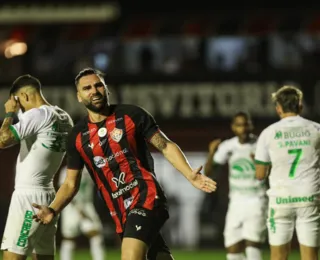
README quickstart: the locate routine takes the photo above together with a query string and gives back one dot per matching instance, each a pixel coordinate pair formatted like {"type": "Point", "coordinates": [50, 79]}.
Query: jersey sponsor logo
{"type": "Point", "coordinates": [278, 135]}
{"type": "Point", "coordinates": [111, 157]}
{"type": "Point", "coordinates": [115, 120]}
{"type": "Point", "coordinates": [120, 180]}
{"type": "Point", "coordinates": [25, 230]}
{"type": "Point", "coordinates": [296, 134]}
{"type": "Point", "coordinates": [125, 189]}
{"type": "Point", "coordinates": [289, 199]}
{"type": "Point", "coordinates": [116, 134]}
{"type": "Point", "coordinates": [127, 202]}
{"type": "Point", "coordinates": [242, 169]}
{"type": "Point", "coordinates": [102, 132]}
{"type": "Point", "coordinates": [99, 161]}
{"type": "Point", "coordinates": [90, 131]}
{"type": "Point", "coordinates": [101, 143]}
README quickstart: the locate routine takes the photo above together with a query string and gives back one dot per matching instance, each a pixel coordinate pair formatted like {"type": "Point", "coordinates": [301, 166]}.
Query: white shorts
{"type": "Point", "coordinates": [74, 222]}
{"type": "Point", "coordinates": [283, 221]}
{"type": "Point", "coordinates": [246, 220]}
{"type": "Point", "coordinates": [22, 235]}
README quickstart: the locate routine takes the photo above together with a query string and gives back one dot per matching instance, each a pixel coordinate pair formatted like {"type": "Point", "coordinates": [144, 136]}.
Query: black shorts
{"type": "Point", "coordinates": [145, 225]}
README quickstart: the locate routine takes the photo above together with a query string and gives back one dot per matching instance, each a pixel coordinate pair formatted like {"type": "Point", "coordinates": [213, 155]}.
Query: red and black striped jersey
{"type": "Point", "coordinates": [116, 154]}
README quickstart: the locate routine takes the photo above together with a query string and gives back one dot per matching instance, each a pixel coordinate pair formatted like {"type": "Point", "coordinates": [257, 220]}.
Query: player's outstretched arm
{"type": "Point", "coordinates": [63, 197]}
{"type": "Point", "coordinates": [176, 157]}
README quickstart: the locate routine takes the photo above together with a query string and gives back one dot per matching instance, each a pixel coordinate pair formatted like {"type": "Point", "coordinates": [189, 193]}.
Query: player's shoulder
{"type": "Point", "coordinates": [80, 126]}
{"type": "Point", "coordinates": [36, 111]}
{"type": "Point", "coordinates": [271, 128]}
{"type": "Point", "coordinates": [253, 139]}
{"type": "Point", "coordinates": [128, 109]}
{"type": "Point", "coordinates": [311, 123]}
{"type": "Point", "coordinates": [230, 142]}
{"type": "Point", "coordinates": [35, 115]}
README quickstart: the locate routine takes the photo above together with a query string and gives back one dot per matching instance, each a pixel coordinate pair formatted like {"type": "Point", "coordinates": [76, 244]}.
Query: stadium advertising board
{"type": "Point", "coordinates": [188, 101]}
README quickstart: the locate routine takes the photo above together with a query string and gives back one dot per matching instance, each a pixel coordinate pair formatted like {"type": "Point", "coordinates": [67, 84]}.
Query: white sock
{"type": "Point", "coordinates": [238, 256]}
{"type": "Point", "coordinates": [67, 248]}
{"type": "Point", "coordinates": [96, 247]}
{"type": "Point", "coordinates": [253, 253]}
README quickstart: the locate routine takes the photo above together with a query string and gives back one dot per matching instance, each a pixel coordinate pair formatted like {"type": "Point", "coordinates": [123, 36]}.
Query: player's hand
{"type": "Point", "coordinates": [44, 214]}
{"type": "Point", "coordinates": [12, 105]}
{"type": "Point", "coordinates": [202, 182]}
{"type": "Point", "coordinates": [213, 145]}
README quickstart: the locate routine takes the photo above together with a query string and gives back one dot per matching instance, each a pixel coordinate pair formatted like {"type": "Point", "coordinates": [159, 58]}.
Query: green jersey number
{"type": "Point", "coordinates": [297, 153]}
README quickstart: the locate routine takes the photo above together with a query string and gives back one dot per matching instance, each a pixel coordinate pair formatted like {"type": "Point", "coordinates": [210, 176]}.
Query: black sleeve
{"type": "Point", "coordinates": [74, 159]}
{"type": "Point", "coordinates": [148, 125]}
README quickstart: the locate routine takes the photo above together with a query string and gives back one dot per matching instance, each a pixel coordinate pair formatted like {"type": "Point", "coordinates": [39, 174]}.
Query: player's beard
{"type": "Point", "coordinates": [96, 108]}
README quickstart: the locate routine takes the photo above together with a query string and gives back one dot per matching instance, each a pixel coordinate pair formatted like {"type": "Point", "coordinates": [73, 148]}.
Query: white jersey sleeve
{"type": "Point", "coordinates": [221, 155]}
{"type": "Point", "coordinates": [29, 123]}
{"type": "Point", "coordinates": [262, 152]}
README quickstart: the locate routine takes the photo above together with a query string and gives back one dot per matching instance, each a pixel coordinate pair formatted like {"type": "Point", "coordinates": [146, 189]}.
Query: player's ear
{"type": "Point", "coordinates": [232, 126]}
{"type": "Point", "coordinates": [25, 96]}
{"type": "Point", "coordinates": [300, 107]}
{"type": "Point", "coordinates": [279, 109]}
{"type": "Point", "coordinates": [79, 98]}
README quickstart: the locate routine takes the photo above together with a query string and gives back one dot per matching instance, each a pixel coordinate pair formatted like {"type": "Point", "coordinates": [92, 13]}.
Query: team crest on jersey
{"type": "Point", "coordinates": [116, 134]}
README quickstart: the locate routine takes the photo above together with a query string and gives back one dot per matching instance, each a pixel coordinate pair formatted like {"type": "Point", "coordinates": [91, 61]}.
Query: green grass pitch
{"type": "Point", "coordinates": [178, 255]}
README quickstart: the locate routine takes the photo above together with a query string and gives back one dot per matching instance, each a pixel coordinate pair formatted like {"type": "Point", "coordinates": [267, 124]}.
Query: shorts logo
{"type": "Point", "coordinates": [138, 227]}
{"type": "Point", "coordinates": [139, 212]}
{"type": "Point", "coordinates": [102, 132]}
{"type": "Point", "coordinates": [116, 134]}
{"type": "Point", "coordinates": [288, 200]}
{"type": "Point", "coordinates": [120, 180]}
{"type": "Point", "coordinates": [25, 230]}
{"type": "Point", "coordinates": [99, 161]}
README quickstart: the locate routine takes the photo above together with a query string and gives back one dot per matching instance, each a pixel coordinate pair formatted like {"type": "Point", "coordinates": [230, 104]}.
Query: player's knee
{"type": "Point", "coordinates": [12, 256]}
{"type": "Point", "coordinates": [236, 248]}
{"type": "Point", "coordinates": [309, 253]}
{"type": "Point", "coordinates": [130, 253]}
{"type": "Point", "coordinates": [280, 252]}
{"type": "Point", "coordinates": [236, 256]}
{"type": "Point", "coordinates": [133, 249]}
{"type": "Point", "coordinates": [253, 253]}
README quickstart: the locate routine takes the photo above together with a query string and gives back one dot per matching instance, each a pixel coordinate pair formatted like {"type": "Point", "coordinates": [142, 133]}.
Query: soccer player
{"type": "Point", "coordinates": [80, 216]}
{"type": "Point", "coordinates": [42, 131]}
{"type": "Point", "coordinates": [112, 143]}
{"type": "Point", "coordinates": [291, 147]}
{"type": "Point", "coordinates": [245, 225]}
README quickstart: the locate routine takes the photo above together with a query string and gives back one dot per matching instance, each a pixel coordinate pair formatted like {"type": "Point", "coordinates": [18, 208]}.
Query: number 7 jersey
{"type": "Point", "coordinates": [292, 148]}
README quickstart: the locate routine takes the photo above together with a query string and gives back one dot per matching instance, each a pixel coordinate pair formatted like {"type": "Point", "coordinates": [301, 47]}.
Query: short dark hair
{"type": "Point", "coordinates": [24, 81]}
{"type": "Point", "coordinates": [289, 98]}
{"type": "Point", "coordinates": [86, 72]}
{"type": "Point", "coordinates": [243, 114]}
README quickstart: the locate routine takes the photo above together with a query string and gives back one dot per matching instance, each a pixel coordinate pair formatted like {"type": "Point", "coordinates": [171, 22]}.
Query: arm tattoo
{"type": "Point", "coordinates": [6, 136]}
{"type": "Point", "coordinates": [159, 141]}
